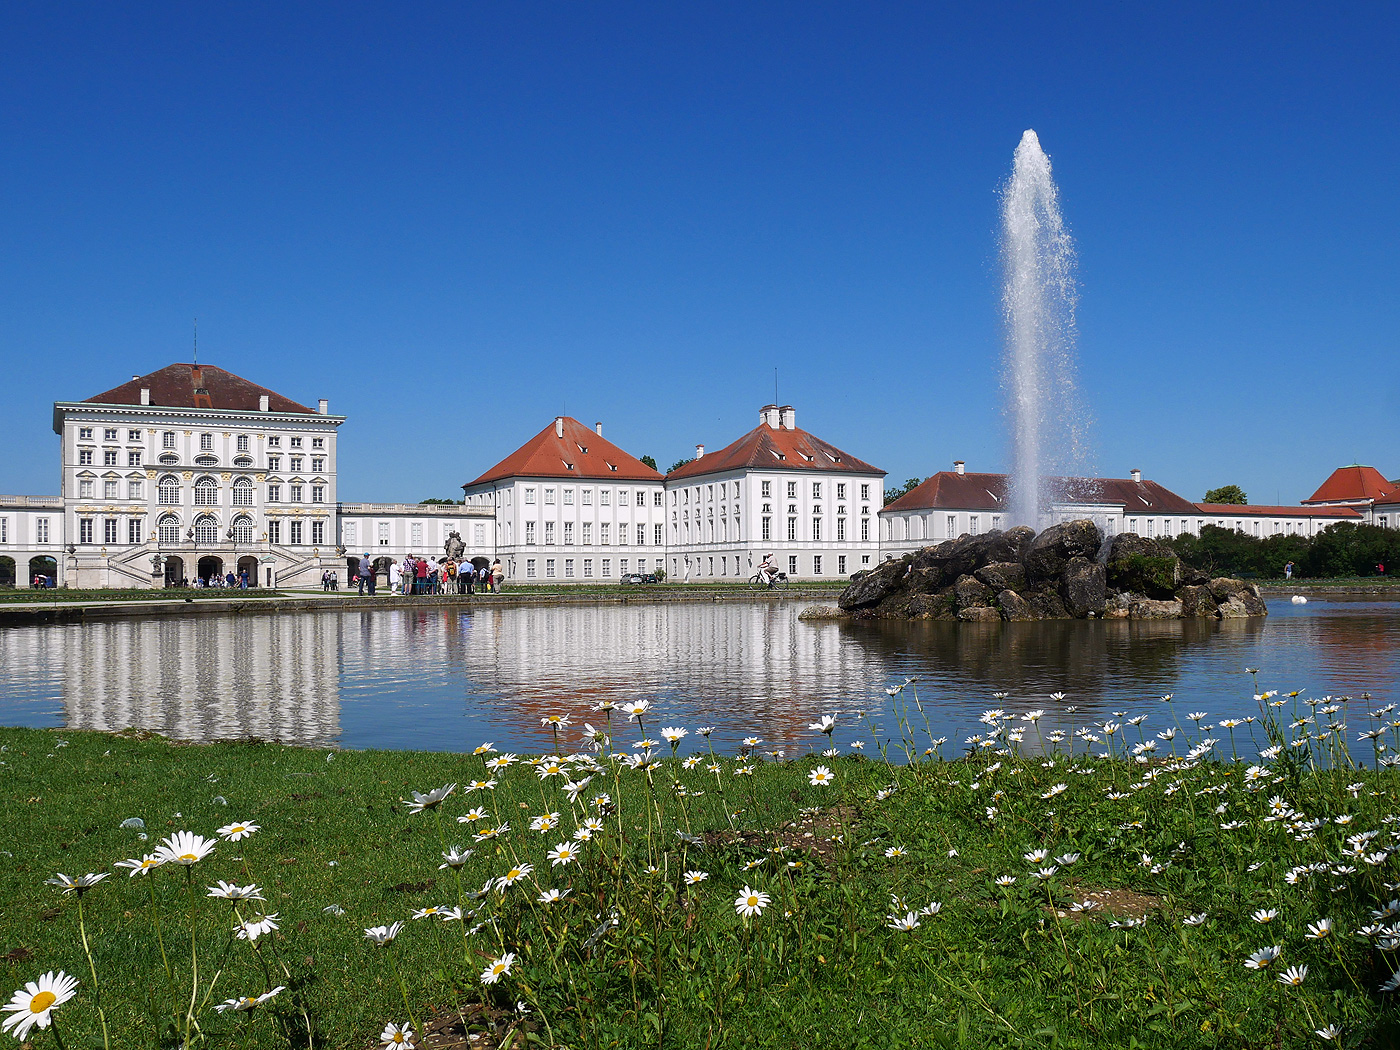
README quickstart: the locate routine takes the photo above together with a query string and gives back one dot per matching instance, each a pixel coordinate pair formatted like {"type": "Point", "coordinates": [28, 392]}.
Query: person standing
{"type": "Point", "coordinates": [366, 574]}
{"type": "Point", "coordinates": [497, 576]}
{"type": "Point", "coordinates": [1288, 571]}
{"type": "Point", "coordinates": [395, 576]}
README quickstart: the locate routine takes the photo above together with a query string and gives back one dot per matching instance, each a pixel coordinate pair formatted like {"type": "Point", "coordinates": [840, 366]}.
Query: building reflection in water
{"type": "Point", "coordinates": [448, 679]}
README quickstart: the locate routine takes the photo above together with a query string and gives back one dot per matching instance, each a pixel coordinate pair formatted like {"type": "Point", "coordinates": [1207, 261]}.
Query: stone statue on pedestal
{"type": "Point", "coordinates": [454, 547]}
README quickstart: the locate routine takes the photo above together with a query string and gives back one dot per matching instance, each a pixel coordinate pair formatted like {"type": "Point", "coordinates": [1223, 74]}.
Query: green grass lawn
{"type": "Point", "coordinates": [902, 904]}
{"type": "Point", "coordinates": [129, 594]}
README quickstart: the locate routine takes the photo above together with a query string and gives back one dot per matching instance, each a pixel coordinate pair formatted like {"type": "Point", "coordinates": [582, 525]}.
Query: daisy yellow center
{"type": "Point", "coordinates": [397, 1038]}
{"type": "Point", "coordinates": [752, 901]}
{"type": "Point", "coordinates": [42, 1002]}
{"type": "Point", "coordinates": [190, 857]}
{"type": "Point", "coordinates": [498, 968]}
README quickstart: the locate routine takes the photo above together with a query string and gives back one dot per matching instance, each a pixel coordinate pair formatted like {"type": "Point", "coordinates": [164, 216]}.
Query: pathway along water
{"type": "Point", "coordinates": [448, 679]}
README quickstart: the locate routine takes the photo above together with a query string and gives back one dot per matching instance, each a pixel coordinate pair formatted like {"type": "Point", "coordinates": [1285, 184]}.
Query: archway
{"type": "Point", "coordinates": [7, 571]}
{"type": "Point", "coordinates": [46, 567]}
{"type": "Point", "coordinates": [174, 570]}
{"type": "Point", "coordinates": [249, 564]}
{"type": "Point", "coordinates": [210, 568]}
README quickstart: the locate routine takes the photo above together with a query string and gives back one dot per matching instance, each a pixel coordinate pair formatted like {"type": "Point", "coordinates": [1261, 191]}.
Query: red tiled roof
{"type": "Point", "coordinates": [1353, 484]}
{"type": "Point", "coordinates": [775, 448]}
{"type": "Point", "coordinates": [1247, 510]}
{"type": "Point", "coordinates": [198, 386]}
{"type": "Point", "coordinates": [579, 453]}
{"type": "Point", "coordinates": [949, 489]}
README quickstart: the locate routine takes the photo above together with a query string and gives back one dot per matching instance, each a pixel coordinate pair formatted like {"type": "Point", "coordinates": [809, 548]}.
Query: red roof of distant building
{"type": "Point", "coordinates": [579, 452]}
{"type": "Point", "coordinates": [775, 448]}
{"type": "Point", "coordinates": [198, 386]}
{"type": "Point", "coordinates": [949, 489]}
{"type": "Point", "coordinates": [1246, 510]}
{"type": "Point", "coordinates": [1353, 484]}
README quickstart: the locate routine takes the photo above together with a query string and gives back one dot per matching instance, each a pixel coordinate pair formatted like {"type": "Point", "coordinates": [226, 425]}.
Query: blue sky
{"type": "Point", "coordinates": [457, 221]}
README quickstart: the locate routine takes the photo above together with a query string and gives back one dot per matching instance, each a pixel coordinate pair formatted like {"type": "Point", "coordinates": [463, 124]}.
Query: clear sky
{"type": "Point", "coordinates": [457, 221]}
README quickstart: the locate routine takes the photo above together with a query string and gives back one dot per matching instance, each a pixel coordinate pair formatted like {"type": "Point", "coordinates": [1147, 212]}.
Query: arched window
{"type": "Point", "coordinates": [242, 529]}
{"type": "Point", "coordinates": [206, 530]}
{"type": "Point", "coordinates": [243, 461]}
{"type": "Point", "coordinates": [170, 459]}
{"type": "Point", "coordinates": [206, 461]}
{"type": "Point", "coordinates": [242, 492]}
{"type": "Point", "coordinates": [169, 529]}
{"type": "Point", "coordinates": [206, 492]}
{"type": "Point", "coordinates": [168, 492]}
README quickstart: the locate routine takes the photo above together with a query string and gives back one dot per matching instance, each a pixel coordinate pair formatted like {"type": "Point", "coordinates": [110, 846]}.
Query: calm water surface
{"type": "Point", "coordinates": [446, 679]}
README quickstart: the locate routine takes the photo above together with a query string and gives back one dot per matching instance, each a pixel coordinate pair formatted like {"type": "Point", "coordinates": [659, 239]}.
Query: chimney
{"type": "Point", "coordinates": [960, 466]}
{"type": "Point", "coordinates": [323, 407]}
{"type": "Point", "coordinates": [598, 429]}
{"type": "Point", "coordinates": [145, 395]}
{"type": "Point", "coordinates": [699, 451]}
{"type": "Point", "coordinates": [262, 403]}
{"type": "Point", "coordinates": [768, 416]}
{"type": "Point", "coordinates": [1137, 476]}
{"type": "Point", "coordinates": [787, 417]}
{"type": "Point", "coordinates": [134, 378]}
{"type": "Point", "coordinates": [558, 426]}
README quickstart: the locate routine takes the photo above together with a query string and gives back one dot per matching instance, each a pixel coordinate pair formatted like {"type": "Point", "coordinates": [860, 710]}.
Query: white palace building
{"type": "Point", "coordinates": [191, 472]}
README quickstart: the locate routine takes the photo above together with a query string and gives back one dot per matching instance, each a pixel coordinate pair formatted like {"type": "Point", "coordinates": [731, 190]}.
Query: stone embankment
{"type": "Point", "coordinates": [1060, 574]}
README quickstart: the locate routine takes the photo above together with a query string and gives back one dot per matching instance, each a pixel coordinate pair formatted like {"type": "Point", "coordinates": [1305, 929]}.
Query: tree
{"type": "Point", "coordinates": [1227, 494]}
{"type": "Point", "coordinates": [439, 502]}
{"type": "Point", "coordinates": [649, 461]}
{"type": "Point", "coordinates": [909, 486]}
{"type": "Point", "coordinates": [678, 464]}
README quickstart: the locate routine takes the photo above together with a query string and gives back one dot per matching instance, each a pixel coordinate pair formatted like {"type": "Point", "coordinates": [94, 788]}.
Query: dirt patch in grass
{"type": "Point", "coordinates": [814, 833]}
{"type": "Point", "coordinates": [471, 1027]}
{"type": "Point", "coordinates": [1118, 903]}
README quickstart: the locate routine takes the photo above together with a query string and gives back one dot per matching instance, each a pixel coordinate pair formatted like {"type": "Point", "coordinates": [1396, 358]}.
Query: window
{"type": "Point", "coordinates": [792, 528]}
{"type": "Point", "coordinates": [606, 530]}
{"type": "Point", "coordinates": [133, 435]}
{"type": "Point", "coordinates": [295, 491]}
{"type": "Point", "coordinates": [296, 442]}
{"type": "Point", "coordinates": [167, 439]}
{"type": "Point", "coordinates": [206, 492]}
{"type": "Point", "coordinates": [588, 568]}
{"type": "Point", "coordinates": [816, 490]}
{"type": "Point", "coordinates": [568, 532]}
{"type": "Point", "coordinates": [415, 534]}
{"type": "Point", "coordinates": [865, 529]}
{"type": "Point", "coordinates": [318, 532]}
{"type": "Point", "coordinates": [242, 443]}
{"type": "Point", "coordinates": [41, 530]}
{"type": "Point", "coordinates": [657, 496]}
{"type": "Point", "coordinates": [4, 530]}
{"type": "Point", "coordinates": [84, 457]}
{"type": "Point", "coordinates": [383, 533]}
{"type": "Point", "coordinates": [568, 497]}
{"type": "Point", "coordinates": [318, 464]}
{"type": "Point", "coordinates": [274, 531]}
{"type": "Point", "coordinates": [607, 566]}
{"type": "Point", "coordinates": [242, 529]}
{"type": "Point", "coordinates": [274, 463]}
{"type": "Point", "coordinates": [529, 568]}
{"type": "Point", "coordinates": [549, 497]}
{"type": "Point", "coordinates": [168, 529]}
{"type": "Point", "coordinates": [243, 492]}
{"type": "Point", "coordinates": [549, 568]}
{"type": "Point", "coordinates": [85, 489]}
{"type": "Point", "coordinates": [109, 457]}
{"type": "Point", "coordinates": [658, 533]}
{"type": "Point", "coordinates": [109, 434]}
{"type": "Point", "coordinates": [767, 528]}
{"type": "Point", "coordinates": [318, 494]}
{"type": "Point", "coordinates": [274, 493]}
{"type": "Point", "coordinates": [840, 528]}
{"type": "Point", "coordinates": [206, 529]}
{"type": "Point", "coordinates": [816, 565]}
{"type": "Point", "coordinates": [996, 522]}
{"type": "Point", "coordinates": [973, 521]}
{"type": "Point", "coordinates": [275, 441]}
{"type": "Point", "coordinates": [296, 462]}
{"type": "Point", "coordinates": [133, 458]}
{"type": "Point", "coordinates": [294, 532]}
{"type": "Point", "coordinates": [110, 490]}
{"type": "Point", "coordinates": [604, 499]}
{"type": "Point", "coordinates": [816, 528]}
{"type": "Point", "coordinates": [622, 497]}
{"type": "Point", "coordinates": [766, 489]}
{"type": "Point", "coordinates": [792, 490]}
{"type": "Point", "coordinates": [641, 535]}
{"type": "Point", "coordinates": [568, 568]}
{"type": "Point", "coordinates": [85, 433]}
{"type": "Point", "coordinates": [170, 459]}
{"type": "Point", "coordinates": [587, 533]}
{"type": "Point", "coordinates": [549, 532]}
{"type": "Point", "coordinates": [952, 525]}
{"type": "Point", "coordinates": [530, 494]}
{"type": "Point", "coordinates": [1132, 525]}
{"type": "Point", "coordinates": [318, 442]}
{"type": "Point", "coordinates": [109, 530]}
{"type": "Point", "coordinates": [206, 442]}
{"type": "Point", "coordinates": [622, 566]}
{"type": "Point", "coordinates": [840, 565]}
{"type": "Point", "coordinates": [840, 490]}
{"type": "Point", "coordinates": [792, 564]}
{"type": "Point", "coordinates": [641, 498]}
{"type": "Point", "coordinates": [206, 461]}
{"type": "Point", "coordinates": [1151, 526]}
{"type": "Point", "coordinates": [529, 532]}
{"type": "Point", "coordinates": [588, 497]}
{"type": "Point", "coordinates": [479, 534]}
{"type": "Point", "coordinates": [133, 530]}
{"type": "Point", "coordinates": [350, 532]}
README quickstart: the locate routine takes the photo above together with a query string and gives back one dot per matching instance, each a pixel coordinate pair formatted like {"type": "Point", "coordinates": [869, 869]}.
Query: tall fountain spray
{"type": "Point", "coordinates": [1038, 300]}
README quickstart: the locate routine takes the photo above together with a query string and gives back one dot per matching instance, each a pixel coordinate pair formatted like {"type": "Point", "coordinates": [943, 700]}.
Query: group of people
{"type": "Point", "coordinates": [229, 581]}
{"type": "Point", "coordinates": [421, 576]}
{"type": "Point", "coordinates": [330, 580]}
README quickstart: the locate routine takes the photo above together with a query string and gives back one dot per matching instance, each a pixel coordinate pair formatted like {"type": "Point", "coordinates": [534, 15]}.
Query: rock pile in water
{"type": "Point", "coordinates": [1057, 575]}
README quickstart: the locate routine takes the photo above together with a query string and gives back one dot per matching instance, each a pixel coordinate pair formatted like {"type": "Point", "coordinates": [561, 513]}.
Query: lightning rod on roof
{"type": "Point", "coordinates": [196, 340]}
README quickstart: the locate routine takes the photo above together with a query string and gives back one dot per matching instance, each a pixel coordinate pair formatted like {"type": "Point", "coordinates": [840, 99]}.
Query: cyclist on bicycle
{"type": "Point", "coordinates": [767, 570]}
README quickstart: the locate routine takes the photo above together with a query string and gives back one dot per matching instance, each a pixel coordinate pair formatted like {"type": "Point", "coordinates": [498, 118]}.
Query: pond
{"type": "Point", "coordinates": [448, 679]}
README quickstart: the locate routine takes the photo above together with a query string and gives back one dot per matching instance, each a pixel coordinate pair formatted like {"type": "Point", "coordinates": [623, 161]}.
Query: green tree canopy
{"type": "Point", "coordinates": [909, 485]}
{"type": "Point", "coordinates": [1227, 494]}
{"type": "Point", "coordinates": [649, 461]}
{"type": "Point", "coordinates": [678, 464]}
{"type": "Point", "coordinates": [439, 502]}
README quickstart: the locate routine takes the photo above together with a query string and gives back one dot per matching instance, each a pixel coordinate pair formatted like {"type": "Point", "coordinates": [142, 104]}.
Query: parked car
{"type": "Point", "coordinates": [637, 578]}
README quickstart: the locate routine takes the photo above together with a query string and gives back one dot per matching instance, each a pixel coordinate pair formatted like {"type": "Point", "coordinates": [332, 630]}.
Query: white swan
{"type": "Point", "coordinates": [1298, 599]}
